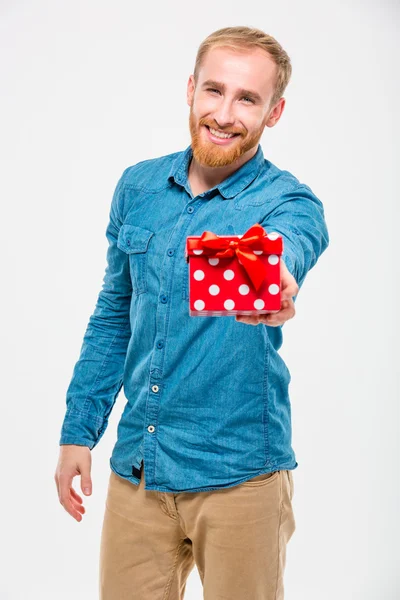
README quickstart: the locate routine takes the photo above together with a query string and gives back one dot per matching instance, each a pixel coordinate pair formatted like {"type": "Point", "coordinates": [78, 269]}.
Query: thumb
{"type": "Point", "coordinates": [86, 481]}
{"type": "Point", "coordinates": [289, 290]}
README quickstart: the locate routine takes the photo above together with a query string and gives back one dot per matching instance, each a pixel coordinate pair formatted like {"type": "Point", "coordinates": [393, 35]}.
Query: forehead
{"type": "Point", "coordinates": [253, 69]}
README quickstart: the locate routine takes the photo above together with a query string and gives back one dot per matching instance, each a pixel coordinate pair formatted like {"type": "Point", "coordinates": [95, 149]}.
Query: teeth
{"type": "Point", "coordinates": [220, 134]}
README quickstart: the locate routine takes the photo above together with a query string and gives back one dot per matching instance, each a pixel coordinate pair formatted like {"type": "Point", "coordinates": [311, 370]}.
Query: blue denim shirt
{"type": "Point", "coordinates": [208, 402]}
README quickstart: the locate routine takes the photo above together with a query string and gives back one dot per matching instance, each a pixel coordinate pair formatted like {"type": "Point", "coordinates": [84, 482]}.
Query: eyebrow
{"type": "Point", "coordinates": [243, 92]}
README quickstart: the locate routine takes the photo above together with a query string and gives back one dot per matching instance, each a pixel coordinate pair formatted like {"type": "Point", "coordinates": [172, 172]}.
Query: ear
{"type": "Point", "coordinates": [190, 90]}
{"type": "Point", "coordinates": [276, 113]}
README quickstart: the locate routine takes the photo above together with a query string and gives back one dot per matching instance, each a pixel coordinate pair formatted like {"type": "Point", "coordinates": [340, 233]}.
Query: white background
{"type": "Point", "coordinates": [91, 87]}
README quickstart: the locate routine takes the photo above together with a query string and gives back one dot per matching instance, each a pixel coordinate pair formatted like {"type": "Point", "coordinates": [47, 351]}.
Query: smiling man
{"type": "Point", "coordinates": [201, 472]}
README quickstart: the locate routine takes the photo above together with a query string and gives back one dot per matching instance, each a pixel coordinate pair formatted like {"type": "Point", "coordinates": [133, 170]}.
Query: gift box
{"type": "Point", "coordinates": [232, 274]}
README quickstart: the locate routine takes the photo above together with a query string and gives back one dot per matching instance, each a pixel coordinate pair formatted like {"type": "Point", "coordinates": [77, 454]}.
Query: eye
{"type": "Point", "coordinates": [245, 97]}
{"type": "Point", "coordinates": [249, 99]}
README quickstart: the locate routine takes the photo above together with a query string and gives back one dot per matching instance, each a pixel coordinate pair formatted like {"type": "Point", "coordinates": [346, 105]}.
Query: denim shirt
{"type": "Point", "coordinates": [208, 402]}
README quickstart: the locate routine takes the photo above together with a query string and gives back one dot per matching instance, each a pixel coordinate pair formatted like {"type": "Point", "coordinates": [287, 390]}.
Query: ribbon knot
{"type": "Point", "coordinates": [243, 248]}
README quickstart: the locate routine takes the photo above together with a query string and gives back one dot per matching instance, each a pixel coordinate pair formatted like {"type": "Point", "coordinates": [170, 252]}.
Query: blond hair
{"type": "Point", "coordinates": [249, 38]}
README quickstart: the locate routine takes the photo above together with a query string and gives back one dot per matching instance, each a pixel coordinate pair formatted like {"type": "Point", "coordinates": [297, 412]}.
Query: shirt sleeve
{"type": "Point", "coordinates": [97, 376]}
{"type": "Point", "coordinates": [300, 220]}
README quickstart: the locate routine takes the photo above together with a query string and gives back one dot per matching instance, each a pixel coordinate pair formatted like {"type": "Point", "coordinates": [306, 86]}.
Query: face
{"type": "Point", "coordinates": [232, 95]}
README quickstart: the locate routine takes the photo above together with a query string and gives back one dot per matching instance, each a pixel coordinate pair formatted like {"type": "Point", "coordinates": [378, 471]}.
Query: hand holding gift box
{"type": "Point", "coordinates": [289, 289]}
{"type": "Point", "coordinates": [234, 274]}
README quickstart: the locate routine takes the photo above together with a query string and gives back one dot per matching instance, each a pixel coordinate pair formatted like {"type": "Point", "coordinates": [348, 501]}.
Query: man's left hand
{"type": "Point", "coordinates": [289, 288]}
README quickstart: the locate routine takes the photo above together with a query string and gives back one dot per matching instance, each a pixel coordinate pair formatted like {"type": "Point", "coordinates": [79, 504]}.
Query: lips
{"type": "Point", "coordinates": [222, 138]}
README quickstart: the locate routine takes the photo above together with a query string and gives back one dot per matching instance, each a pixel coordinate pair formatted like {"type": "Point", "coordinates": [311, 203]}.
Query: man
{"type": "Point", "coordinates": [201, 473]}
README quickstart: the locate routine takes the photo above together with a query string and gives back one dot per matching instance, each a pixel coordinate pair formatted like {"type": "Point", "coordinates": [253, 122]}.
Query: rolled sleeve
{"type": "Point", "coordinates": [97, 376]}
{"type": "Point", "coordinates": [300, 220]}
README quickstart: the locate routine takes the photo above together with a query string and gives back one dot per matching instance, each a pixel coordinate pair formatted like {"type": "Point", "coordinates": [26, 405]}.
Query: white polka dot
{"type": "Point", "coordinates": [213, 289]}
{"type": "Point", "coordinates": [229, 274]}
{"type": "Point", "coordinates": [229, 304]}
{"type": "Point", "coordinates": [199, 251]}
{"type": "Point", "coordinates": [244, 289]}
{"type": "Point", "coordinates": [198, 275]}
{"type": "Point", "coordinates": [257, 251]}
{"type": "Point", "coordinates": [273, 288]}
{"type": "Point", "coordinates": [273, 259]}
{"type": "Point", "coordinates": [273, 235]}
{"type": "Point", "coordinates": [199, 304]}
{"type": "Point", "coordinates": [259, 304]}
{"type": "Point", "coordinates": [213, 261]}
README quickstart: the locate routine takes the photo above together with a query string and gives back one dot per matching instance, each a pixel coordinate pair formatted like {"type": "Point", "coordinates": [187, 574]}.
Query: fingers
{"type": "Point", "coordinates": [67, 497]}
{"type": "Point", "coordinates": [79, 507]}
{"type": "Point", "coordinates": [76, 496]}
{"type": "Point", "coordinates": [289, 287]}
{"type": "Point", "coordinates": [248, 319]}
{"type": "Point", "coordinates": [74, 460]}
{"type": "Point", "coordinates": [291, 290]}
{"type": "Point", "coordinates": [287, 312]}
{"type": "Point", "coordinates": [76, 501]}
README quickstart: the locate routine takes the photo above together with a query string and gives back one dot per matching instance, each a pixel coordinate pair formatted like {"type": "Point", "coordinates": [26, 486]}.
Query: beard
{"type": "Point", "coordinates": [209, 154]}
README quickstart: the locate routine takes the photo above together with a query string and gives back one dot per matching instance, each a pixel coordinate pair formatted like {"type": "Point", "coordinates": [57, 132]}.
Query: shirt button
{"type": "Point", "coordinates": [151, 428]}
{"type": "Point", "coordinates": [160, 344]}
{"type": "Point", "coordinates": [154, 388]}
{"type": "Point", "coordinates": [170, 251]}
{"type": "Point", "coordinates": [190, 209]}
{"type": "Point", "coordinates": [164, 299]}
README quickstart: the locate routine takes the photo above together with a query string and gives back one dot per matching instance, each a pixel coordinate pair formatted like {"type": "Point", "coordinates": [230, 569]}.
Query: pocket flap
{"type": "Point", "coordinates": [132, 238]}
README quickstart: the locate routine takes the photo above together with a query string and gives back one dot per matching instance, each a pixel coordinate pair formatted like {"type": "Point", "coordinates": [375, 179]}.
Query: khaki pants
{"type": "Point", "coordinates": [236, 537]}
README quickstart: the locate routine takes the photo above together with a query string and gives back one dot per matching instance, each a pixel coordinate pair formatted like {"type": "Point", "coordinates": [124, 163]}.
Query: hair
{"type": "Point", "coordinates": [249, 38]}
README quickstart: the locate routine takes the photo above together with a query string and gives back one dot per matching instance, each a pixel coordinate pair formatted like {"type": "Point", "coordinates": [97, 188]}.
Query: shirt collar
{"type": "Point", "coordinates": [232, 185]}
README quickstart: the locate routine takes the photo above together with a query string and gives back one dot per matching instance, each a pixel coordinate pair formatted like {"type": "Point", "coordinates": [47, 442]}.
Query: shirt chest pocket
{"type": "Point", "coordinates": [134, 241]}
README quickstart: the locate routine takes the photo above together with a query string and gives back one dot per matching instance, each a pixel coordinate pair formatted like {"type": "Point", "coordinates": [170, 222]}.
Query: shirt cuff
{"type": "Point", "coordinates": [82, 429]}
{"type": "Point", "coordinates": [64, 440]}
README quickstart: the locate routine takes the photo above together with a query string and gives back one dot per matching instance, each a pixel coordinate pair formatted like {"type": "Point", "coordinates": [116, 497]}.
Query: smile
{"type": "Point", "coordinates": [221, 134]}
{"type": "Point", "coordinates": [218, 136]}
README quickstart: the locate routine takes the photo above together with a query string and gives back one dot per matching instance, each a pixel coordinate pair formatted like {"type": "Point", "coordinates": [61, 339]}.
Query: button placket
{"type": "Point", "coordinates": [161, 330]}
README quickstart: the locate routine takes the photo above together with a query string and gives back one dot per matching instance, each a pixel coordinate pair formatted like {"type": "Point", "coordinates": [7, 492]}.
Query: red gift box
{"type": "Point", "coordinates": [232, 274]}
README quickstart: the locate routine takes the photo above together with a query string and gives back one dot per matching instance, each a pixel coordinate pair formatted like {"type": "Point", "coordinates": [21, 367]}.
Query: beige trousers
{"type": "Point", "coordinates": [236, 537]}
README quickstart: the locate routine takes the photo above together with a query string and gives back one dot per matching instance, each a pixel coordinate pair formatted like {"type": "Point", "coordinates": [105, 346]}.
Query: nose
{"type": "Point", "coordinates": [223, 116]}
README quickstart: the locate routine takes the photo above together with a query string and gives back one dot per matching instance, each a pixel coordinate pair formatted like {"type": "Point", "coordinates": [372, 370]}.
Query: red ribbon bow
{"type": "Point", "coordinates": [242, 247]}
